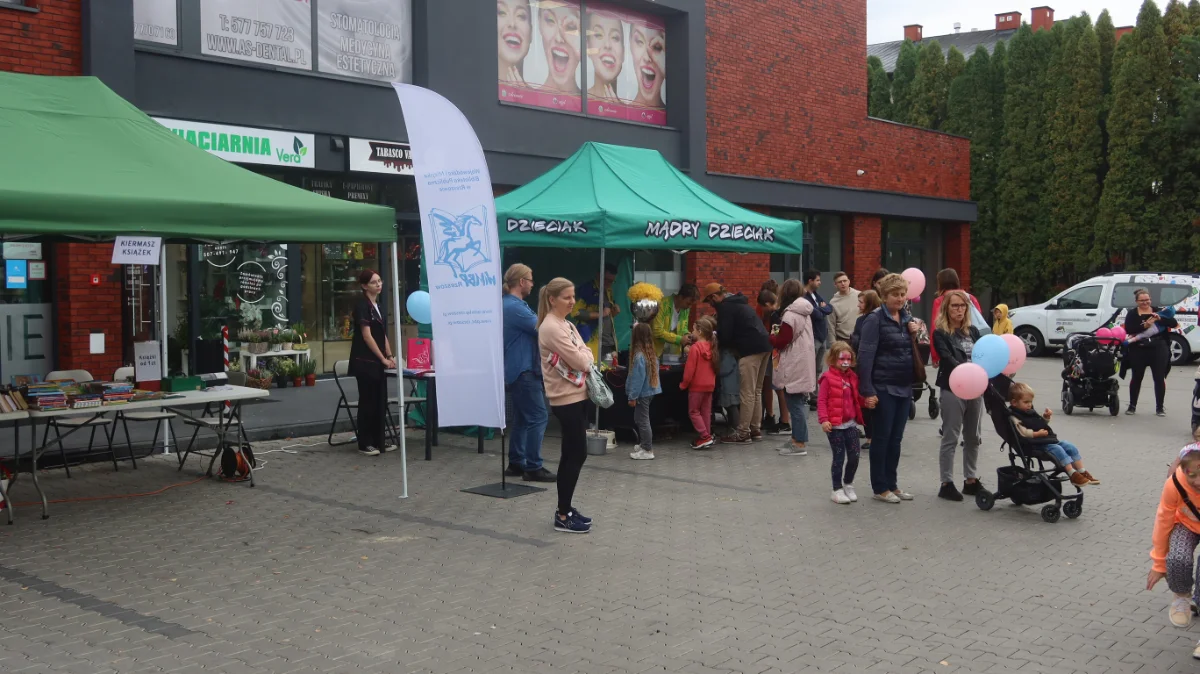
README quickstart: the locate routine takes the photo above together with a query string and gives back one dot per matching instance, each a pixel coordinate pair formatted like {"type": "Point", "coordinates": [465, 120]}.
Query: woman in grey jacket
{"type": "Point", "coordinates": [954, 338]}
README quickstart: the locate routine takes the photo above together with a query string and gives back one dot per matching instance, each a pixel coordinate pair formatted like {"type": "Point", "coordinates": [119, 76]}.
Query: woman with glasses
{"type": "Point", "coordinates": [954, 338]}
{"type": "Point", "coordinates": [1153, 352]}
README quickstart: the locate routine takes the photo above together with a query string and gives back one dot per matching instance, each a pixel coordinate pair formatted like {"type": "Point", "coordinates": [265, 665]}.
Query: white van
{"type": "Point", "coordinates": [1104, 300]}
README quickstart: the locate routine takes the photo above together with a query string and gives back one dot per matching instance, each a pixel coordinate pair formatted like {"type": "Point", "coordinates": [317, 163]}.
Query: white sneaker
{"type": "Point", "coordinates": [1181, 612]}
{"type": "Point", "coordinates": [388, 448]}
{"type": "Point", "coordinates": [840, 497]}
{"type": "Point", "coordinates": [369, 451]}
{"type": "Point", "coordinates": [792, 450]}
{"type": "Point", "coordinates": [641, 455]}
{"type": "Point", "coordinates": [850, 493]}
{"type": "Point", "coordinates": [1196, 653]}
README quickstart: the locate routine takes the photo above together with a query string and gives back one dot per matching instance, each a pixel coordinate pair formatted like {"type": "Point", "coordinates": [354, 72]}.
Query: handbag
{"type": "Point", "coordinates": [597, 390]}
{"type": "Point", "coordinates": [919, 374]}
{"type": "Point", "coordinates": [419, 353]}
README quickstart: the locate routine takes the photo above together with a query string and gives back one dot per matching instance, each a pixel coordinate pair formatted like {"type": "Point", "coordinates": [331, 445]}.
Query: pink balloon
{"type": "Point", "coordinates": [1118, 333]}
{"type": "Point", "coordinates": [1104, 334]}
{"type": "Point", "coordinates": [916, 281]}
{"type": "Point", "coordinates": [968, 381]}
{"type": "Point", "coordinates": [1016, 353]}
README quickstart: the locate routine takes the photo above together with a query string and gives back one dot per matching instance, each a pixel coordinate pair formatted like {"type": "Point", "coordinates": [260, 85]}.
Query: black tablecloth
{"type": "Point", "coordinates": [670, 406]}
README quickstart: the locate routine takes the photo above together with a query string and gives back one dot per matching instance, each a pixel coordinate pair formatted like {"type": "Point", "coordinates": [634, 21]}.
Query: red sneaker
{"type": "Point", "coordinates": [703, 442]}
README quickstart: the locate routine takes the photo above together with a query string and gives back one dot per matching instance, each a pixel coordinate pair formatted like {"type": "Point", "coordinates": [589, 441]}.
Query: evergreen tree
{"type": "Point", "coordinates": [1178, 194]}
{"type": "Point", "coordinates": [1106, 37]}
{"type": "Point", "coordinates": [987, 252]}
{"type": "Point", "coordinates": [1075, 150]}
{"type": "Point", "coordinates": [1185, 128]}
{"type": "Point", "coordinates": [1126, 230]}
{"type": "Point", "coordinates": [902, 82]}
{"type": "Point", "coordinates": [930, 88]}
{"type": "Point", "coordinates": [956, 64]}
{"type": "Point", "coordinates": [879, 90]}
{"type": "Point", "coordinates": [1024, 217]}
{"type": "Point", "coordinates": [1194, 14]}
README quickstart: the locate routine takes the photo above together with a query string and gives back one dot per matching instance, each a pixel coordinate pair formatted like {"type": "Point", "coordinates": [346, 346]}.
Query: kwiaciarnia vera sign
{"type": "Point", "coordinates": [246, 145]}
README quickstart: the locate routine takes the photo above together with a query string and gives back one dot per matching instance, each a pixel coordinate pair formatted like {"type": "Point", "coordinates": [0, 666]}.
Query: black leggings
{"type": "Point", "coordinates": [573, 419]}
{"type": "Point", "coordinates": [1157, 358]}
{"type": "Point", "coordinates": [372, 409]}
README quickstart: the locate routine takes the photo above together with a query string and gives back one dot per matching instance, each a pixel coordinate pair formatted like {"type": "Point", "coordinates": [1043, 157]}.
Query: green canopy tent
{"type": "Point", "coordinates": [610, 197]}
{"type": "Point", "coordinates": [81, 163]}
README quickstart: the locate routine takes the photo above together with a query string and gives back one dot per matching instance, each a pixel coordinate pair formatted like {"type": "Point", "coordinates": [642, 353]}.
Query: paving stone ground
{"type": "Point", "coordinates": [732, 560]}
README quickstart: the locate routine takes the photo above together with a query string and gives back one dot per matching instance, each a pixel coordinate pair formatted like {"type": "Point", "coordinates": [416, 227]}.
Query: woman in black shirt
{"type": "Point", "coordinates": [1151, 352]}
{"type": "Point", "coordinates": [370, 355]}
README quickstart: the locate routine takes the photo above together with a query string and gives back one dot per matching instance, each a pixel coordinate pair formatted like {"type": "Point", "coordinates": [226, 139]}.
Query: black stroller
{"type": "Point", "coordinates": [1033, 476]}
{"type": "Point", "coordinates": [919, 390]}
{"type": "Point", "coordinates": [1090, 373]}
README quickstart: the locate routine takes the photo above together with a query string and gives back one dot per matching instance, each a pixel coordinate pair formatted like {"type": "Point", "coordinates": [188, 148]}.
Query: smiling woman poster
{"type": "Point", "coordinates": [627, 64]}
{"type": "Point", "coordinates": [539, 45]}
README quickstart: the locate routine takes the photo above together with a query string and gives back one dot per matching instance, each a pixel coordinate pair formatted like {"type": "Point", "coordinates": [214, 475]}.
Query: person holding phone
{"type": "Point", "coordinates": [1153, 352]}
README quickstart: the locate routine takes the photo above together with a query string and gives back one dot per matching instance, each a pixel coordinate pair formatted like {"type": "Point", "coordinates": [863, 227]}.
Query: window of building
{"type": "Point", "coordinates": [663, 268]}
{"type": "Point", "coordinates": [822, 245]}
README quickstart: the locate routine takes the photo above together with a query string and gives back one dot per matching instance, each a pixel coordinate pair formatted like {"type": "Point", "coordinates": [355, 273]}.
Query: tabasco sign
{"type": "Point", "coordinates": [246, 145]}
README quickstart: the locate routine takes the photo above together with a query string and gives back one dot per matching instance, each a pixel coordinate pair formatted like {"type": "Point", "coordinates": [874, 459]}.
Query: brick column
{"type": "Point", "coordinates": [957, 239]}
{"type": "Point", "coordinates": [82, 308]}
{"type": "Point", "coordinates": [862, 248]}
{"type": "Point", "coordinates": [738, 272]}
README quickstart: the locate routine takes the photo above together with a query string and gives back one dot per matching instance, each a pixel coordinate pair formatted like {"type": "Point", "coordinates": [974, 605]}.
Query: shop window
{"type": "Point", "coordinates": [243, 287]}
{"type": "Point", "coordinates": [822, 247]}
{"type": "Point", "coordinates": [663, 268]}
{"type": "Point", "coordinates": [904, 245]}
{"type": "Point", "coordinates": [341, 263]}
{"type": "Point", "coordinates": [26, 332]}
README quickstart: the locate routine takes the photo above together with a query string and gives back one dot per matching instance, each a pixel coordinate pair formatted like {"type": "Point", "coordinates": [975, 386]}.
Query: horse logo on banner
{"type": "Point", "coordinates": [462, 240]}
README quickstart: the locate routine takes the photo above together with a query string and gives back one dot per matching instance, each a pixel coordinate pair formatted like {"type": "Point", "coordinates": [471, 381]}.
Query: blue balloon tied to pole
{"type": "Point", "coordinates": [991, 353]}
{"type": "Point", "coordinates": [418, 308]}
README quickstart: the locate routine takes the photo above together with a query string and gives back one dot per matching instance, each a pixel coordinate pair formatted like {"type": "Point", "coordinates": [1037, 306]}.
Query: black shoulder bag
{"type": "Point", "coordinates": [1184, 496]}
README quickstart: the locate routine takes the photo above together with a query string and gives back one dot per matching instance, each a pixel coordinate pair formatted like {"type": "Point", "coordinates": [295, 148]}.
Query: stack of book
{"type": "Point", "coordinates": [47, 397]}
{"type": "Point", "coordinates": [11, 400]}
{"type": "Point", "coordinates": [140, 395]}
{"type": "Point", "coordinates": [118, 393]}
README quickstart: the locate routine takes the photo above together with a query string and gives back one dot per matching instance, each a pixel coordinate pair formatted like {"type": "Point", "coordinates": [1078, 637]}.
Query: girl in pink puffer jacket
{"type": "Point", "coordinates": [839, 410]}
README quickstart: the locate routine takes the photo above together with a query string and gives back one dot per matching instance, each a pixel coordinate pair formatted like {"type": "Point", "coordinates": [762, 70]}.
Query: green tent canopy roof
{"type": "Point", "coordinates": [78, 160]}
{"type": "Point", "coordinates": [610, 196]}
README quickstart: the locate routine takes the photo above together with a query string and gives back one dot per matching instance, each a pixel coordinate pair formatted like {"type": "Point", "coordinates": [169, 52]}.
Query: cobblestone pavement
{"type": "Point", "coordinates": [732, 560]}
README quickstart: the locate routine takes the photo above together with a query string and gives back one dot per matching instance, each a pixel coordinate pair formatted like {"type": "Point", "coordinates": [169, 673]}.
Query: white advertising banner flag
{"type": "Point", "coordinates": [365, 38]}
{"type": "Point", "coordinates": [156, 21]}
{"type": "Point", "coordinates": [272, 32]}
{"type": "Point", "coordinates": [458, 228]}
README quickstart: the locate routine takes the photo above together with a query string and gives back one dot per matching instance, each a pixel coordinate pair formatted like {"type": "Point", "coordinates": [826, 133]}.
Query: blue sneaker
{"type": "Point", "coordinates": [579, 516]}
{"type": "Point", "coordinates": [570, 525]}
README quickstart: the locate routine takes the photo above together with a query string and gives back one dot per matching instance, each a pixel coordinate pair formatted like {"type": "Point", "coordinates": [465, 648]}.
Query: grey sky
{"type": "Point", "coordinates": [886, 18]}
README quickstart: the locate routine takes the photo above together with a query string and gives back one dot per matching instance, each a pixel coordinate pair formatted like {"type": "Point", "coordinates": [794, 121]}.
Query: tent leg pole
{"type": "Point", "coordinates": [600, 325]}
{"type": "Point", "coordinates": [399, 351]}
{"type": "Point", "coordinates": [164, 319]}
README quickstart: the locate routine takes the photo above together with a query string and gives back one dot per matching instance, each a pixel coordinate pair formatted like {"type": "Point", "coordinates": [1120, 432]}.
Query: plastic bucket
{"type": "Point", "coordinates": [597, 445]}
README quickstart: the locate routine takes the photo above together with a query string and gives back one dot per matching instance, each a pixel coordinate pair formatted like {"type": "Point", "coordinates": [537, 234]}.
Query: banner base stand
{"type": "Point", "coordinates": [501, 489]}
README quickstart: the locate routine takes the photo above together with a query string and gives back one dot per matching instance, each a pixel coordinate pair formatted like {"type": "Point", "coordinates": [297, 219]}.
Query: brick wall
{"type": "Point", "coordinates": [787, 97]}
{"type": "Point", "coordinates": [862, 248]}
{"type": "Point", "coordinates": [46, 42]}
{"type": "Point", "coordinates": [83, 308]}
{"type": "Point", "coordinates": [958, 252]}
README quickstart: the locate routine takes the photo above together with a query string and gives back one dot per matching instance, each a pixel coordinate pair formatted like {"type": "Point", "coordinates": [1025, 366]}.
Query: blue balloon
{"type": "Point", "coordinates": [991, 353]}
{"type": "Point", "coordinates": [418, 308]}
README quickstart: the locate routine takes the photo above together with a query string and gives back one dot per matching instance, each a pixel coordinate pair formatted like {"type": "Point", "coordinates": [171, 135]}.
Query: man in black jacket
{"type": "Point", "coordinates": [820, 327]}
{"type": "Point", "coordinates": [741, 330]}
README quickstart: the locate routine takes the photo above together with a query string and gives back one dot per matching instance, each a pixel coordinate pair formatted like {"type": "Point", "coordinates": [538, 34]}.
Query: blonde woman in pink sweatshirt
{"type": "Point", "coordinates": [565, 355]}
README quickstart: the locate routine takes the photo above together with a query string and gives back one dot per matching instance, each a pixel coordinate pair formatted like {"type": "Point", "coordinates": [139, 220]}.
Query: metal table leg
{"type": "Point", "coordinates": [8, 506]}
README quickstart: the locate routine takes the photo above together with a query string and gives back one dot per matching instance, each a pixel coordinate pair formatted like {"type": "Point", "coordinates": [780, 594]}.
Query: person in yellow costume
{"type": "Point", "coordinates": [670, 327]}
{"type": "Point", "coordinates": [586, 314]}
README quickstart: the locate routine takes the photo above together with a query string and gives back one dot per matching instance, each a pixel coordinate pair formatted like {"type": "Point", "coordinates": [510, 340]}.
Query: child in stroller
{"type": "Point", "coordinates": [1090, 373]}
{"type": "Point", "coordinates": [1034, 476]}
{"type": "Point", "coordinates": [1036, 430]}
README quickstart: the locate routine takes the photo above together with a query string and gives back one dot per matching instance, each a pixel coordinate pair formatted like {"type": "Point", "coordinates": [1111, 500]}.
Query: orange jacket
{"type": "Point", "coordinates": [1171, 511]}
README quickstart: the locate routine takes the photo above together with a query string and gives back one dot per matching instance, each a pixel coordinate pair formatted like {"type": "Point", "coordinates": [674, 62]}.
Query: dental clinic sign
{"type": "Point", "coordinates": [245, 145]}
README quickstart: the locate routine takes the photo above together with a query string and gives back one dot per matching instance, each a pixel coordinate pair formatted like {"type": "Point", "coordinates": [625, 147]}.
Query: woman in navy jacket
{"type": "Point", "coordinates": [885, 375]}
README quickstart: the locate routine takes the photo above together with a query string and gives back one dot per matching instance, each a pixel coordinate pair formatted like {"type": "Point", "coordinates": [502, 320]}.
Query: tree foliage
{"type": "Point", "coordinates": [902, 83]}
{"type": "Point", "coordinates": [879, 90]}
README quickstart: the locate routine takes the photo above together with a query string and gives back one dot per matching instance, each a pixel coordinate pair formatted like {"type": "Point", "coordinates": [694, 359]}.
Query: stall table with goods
{"type": "Point", "coordinates": [617, 200]}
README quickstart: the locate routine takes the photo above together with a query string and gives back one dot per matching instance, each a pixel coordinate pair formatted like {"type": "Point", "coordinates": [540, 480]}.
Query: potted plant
{"type": "Point", "coordinates": [259, 378]}
{"type": "Point", "coordinates": [296, 372]}
{"type": "Point", "coordinates": [299, 337]}
{"type": "Point", "coordinates": [309, 368]}
{"type": "Point", "coordinates": [276, 340]}
{"type": "Point", "coordinates": [280, 367]}
{"type": "Point", "coordinates": [288, 339]}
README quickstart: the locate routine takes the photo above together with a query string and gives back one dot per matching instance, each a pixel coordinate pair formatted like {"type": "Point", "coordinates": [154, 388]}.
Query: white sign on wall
{"type": "Point", "coordinates": [156, 21]}
{"type": "Point", "coordinates": [371, 39]}
{"type": "Point", "coordinates": [380, 156]}
{"type": "Point", "coordinates": [271, 32]}
{"type": "Point", "coordinates": [245, 145]}
{"type": "Point", "coordinates": [147, 361]}
{"type": "Point", "coordinates": [136, 250]}
{"type": "Point", "coordinates": [22, 250]}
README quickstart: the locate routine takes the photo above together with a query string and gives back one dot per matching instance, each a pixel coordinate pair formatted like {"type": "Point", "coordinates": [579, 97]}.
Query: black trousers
{"type": "Point", "coordinates": [573, 419]}
{"type": "Point", "coordinates": [372, 408]}
{"type": "Point", "coordinates": [1156, 357]}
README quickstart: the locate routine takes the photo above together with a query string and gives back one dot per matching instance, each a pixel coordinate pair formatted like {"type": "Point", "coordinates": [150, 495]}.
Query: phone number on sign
{"type": "Point", "coordinates": [256, 28]}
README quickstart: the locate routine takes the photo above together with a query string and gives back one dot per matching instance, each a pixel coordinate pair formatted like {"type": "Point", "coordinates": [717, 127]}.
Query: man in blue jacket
{"type": "Point", "coordinates": [820, 326]}
{"type": "Point", "coordinates": [523, 379]}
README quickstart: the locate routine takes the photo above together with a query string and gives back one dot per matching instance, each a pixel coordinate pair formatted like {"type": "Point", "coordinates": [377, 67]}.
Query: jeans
{"type": "Point", "coordinates": [641, 421]}
{"type": "Point", "coordinates": [889, 419]}
{"type": "Point", "coordinates": [844, 443]}
{"type": "Point", "coordinates": [797, 406]}
{"type": "Point", "coordinates": [528, 423]}
{"type": "Point", "coordinates": [820, 350]}
{"type": "Point", "coordinates": [1063, 452]}
{"type": "Point", "coordinates": [573, 419]}
{"type": "Point", "coordinates": [700, 411]}
{"type": "Point", "coordinates": [959, 417]}
{"type": "Point", "coordinates": [752, 370]}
